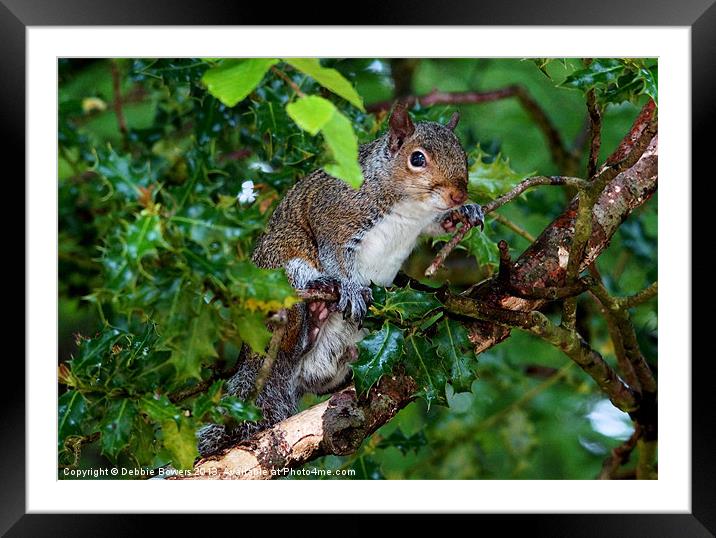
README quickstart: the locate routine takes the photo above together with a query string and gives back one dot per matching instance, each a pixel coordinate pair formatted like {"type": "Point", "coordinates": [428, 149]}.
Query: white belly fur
{"type": "Point", "coordinates": [385, 247]}
{"type": "Point", "coordinates": [380, 255]}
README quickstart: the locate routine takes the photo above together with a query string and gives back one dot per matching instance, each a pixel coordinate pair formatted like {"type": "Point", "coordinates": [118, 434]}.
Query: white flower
{"type": "Point", "coordinates": [247, 194]}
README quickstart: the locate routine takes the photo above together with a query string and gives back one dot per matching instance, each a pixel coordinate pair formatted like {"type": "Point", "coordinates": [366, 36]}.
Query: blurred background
{"type": "Point", "coordinates": [150, 228]}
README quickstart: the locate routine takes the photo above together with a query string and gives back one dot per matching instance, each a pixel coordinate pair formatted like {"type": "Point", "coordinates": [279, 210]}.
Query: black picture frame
{"type": "Point", "coordinates": [699, 15]}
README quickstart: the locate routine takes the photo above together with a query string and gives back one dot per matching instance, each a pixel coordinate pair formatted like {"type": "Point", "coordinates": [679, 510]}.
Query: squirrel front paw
{"type": "Point", "coordinates": [324, 284]}
{"type": "Point", "coordinates": [354, 300]}
{"type": "Point", "coordinates": [472, 213]}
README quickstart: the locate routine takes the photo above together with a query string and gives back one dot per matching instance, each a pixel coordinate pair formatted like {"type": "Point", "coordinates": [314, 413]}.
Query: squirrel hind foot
{"type": "Point", "coordinates": [318, 312]}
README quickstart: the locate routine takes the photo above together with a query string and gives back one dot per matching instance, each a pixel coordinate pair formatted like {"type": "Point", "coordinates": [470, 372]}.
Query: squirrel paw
{"type": "Point", "coordinates": [324, 284]}
{"type": "Point", "coordinates": [470, 212]}
{"type": "Point", "coordinates": [320, 310]}
{"type": "Point", "coordinates": [354, 301]}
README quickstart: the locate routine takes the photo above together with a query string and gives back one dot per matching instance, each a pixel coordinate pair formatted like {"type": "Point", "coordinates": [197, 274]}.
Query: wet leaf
{"type": "Point", "coordinates": [116, 426]}
{"type": "Point", "coordinates": [71, 411]}
{"type": "Point", "coordinates": [378, 353]}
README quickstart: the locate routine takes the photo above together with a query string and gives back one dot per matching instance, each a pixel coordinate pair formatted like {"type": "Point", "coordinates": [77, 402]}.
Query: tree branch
{"type": "Point", "coordinates": [117, 90]}
{"type": "Point", "coordinates": [336, 426]}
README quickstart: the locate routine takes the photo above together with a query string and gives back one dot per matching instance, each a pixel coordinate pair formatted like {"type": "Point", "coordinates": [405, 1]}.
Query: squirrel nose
{"type": "Point", "coordinates": [458, 197]}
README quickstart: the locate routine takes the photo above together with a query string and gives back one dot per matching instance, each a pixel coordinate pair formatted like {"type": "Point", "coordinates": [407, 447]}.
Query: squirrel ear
{"type": "Point", "coordinates": [453, 121]}
{"type": "Point", "coordinates": [401, 127]}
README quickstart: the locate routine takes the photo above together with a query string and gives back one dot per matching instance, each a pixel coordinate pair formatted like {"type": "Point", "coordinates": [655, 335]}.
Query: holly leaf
{"type": "Point", "coordinates": [601, 72]}
{"type": "Point", "coordinates": [71, 415]}
{"type": "Point", "coordinates": [143, 237]}
{"type": "Point", "coordinates": [479, 245]}
{"type": "Point", "coordinates": [264, 290]}
{"type": "Point", "coordinates": [252, 330]}
{"type": "Point", "coordinates": [206, 402]}
{"type": "Point", "coordinates": [194, 345]}
{"type": "Point", "coordinates": [233, 80]}
{"type": "Point", "coordinates": [407, 303]}
{"type": "Point", "coordinates": [116, 427]}
{"type": "Point", "coordinates": [404, 443]}
{"type": "Point", "coordinates": [452, 344]}
{"type": "Point", "coordinates": [328, 78]}
{"type": "Point", "coordinates": [427, 368]}
{"type": "Point", "coordinates": [123, 176]}
{"type": "Point", "coordinates": [378, 353]}
{"type": "Point", "coordinates": [489, 177]}
{"type": "Point", "coordinates": [239, 410]}
{"type": "Point", "coordinates": [159, 408]}
{"type": "Point", "coordinates": [180, 441]}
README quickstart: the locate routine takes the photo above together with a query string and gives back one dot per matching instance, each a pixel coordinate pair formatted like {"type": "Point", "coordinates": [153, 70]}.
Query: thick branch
{"type": "Point", "coordinates": [337, 426]}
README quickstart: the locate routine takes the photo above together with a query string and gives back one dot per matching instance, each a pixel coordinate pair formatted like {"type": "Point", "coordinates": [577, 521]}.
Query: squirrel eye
{"type": "Point", "coordinates": [417, 159]}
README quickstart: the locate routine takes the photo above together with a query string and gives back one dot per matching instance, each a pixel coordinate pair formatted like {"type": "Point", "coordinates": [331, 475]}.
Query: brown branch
{"type": "Point", "coordinates": [625, 365]}
{"type": "Point", "coordinates": [529, 183]}
{"type": "Point", "coordinates": [288, 81]}
{"type": "Point", "coordinates": [641, 297]}
{"type": "Point", "coordinates": [627, 336]}
{"type": "Point", "coordinates": [507, 223]}
{"type": "Point", "coordinates": [448, 248]}
{"type": "Point", "coordinates": [337, 426]}
{"type": "Point", "coordinates": [568, 341]}
{"type": "Point", "coordinates": [117, 90]}
{"type": "Point", "coordinates": [595, 130]}
{"type": "Point", "coordinates": [436, 97]}
{"type": "Point", "coordinates": [618, 457]}
{"type": "Point", "coordinates": [278, 323]}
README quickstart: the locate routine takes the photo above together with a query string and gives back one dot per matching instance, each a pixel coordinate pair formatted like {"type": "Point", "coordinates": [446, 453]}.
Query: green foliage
{"type": "Point", "coordinates": [314, 114]}
{"type": "Point", "coordinates": [617, 80]}
{"type": "Point", "coordinates": [328, 78]}
{"type": "Point", "coordinates": [377, 355]}
{"type": "Point", "coordinates": [155, 270]}
{"type": "Point", "coordinates": [233, 80]}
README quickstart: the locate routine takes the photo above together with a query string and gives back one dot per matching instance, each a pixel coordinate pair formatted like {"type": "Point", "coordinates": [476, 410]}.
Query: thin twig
{"type": "Point", "coordinates": [639, 298]}
{"type": "Point", "coordinates": [288, 80]}
{"type": "Point", "coordinates": [117, 90]}
{"type": "Point", "coordinates": [447, 249]}
{"type": "Point", "coordinates": [595, 129]}
{"type": "Point", "coordinates": [279, 321]}
{"type": "Point", "coordinates": [507, 223]}
{"type": "Point", "coordinates": [628, 337]}
{"type": "Point", "coordinates": [528, 184]}
{"type": "Point", "coordinates": [625, 365]}
{"type": "Point", "coordinates": [619, 456]}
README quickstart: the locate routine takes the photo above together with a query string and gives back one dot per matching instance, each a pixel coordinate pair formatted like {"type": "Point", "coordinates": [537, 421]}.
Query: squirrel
{"type": "Point", "coordinates": [330, 237]}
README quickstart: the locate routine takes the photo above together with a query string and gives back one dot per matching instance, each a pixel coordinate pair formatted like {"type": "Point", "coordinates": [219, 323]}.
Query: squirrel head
{"type": "Point", "coordinates": [428, 161]}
